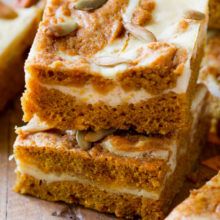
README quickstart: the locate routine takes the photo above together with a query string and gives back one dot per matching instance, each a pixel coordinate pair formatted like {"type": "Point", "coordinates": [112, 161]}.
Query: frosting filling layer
{"type": "Point", "coordinates": [117, 96]}
{"type": "Point", "coordinates": [88, 94]}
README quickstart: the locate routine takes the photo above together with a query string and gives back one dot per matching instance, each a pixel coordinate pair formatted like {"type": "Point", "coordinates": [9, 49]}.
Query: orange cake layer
{"type": "Point", "coordinates": [112, 65]}
{"type": "Point", "coordinates": [14, 43]}
{"type": "Point", "coordinates": [214, 14]}
{"type": "Point", "coordinates": [123, 173]}
{"type": "Point", "coordinates": [202, 204]}
{"type": "Point", "coordinates": [210, 71]}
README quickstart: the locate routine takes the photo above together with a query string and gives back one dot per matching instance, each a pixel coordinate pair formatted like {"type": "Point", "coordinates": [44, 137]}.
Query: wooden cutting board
{"type": "Point", "coordinates": [18, 207]}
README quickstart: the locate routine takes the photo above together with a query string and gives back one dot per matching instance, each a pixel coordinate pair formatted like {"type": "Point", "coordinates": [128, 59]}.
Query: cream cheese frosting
{"type": "Point", "coordinates": [89, 95]}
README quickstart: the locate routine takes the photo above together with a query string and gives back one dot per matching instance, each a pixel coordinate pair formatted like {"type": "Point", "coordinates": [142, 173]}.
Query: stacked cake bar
{"type": "Point", "coordinates": [87, 70]}
{"type": "Point", "coordinates": [13, 45]}
{"type": "Point", "coordinates": [203, 203]}
{"type": "Point", "coordinates": [113, 109]}
{"type": "Point", "coordinates": [124, 173]}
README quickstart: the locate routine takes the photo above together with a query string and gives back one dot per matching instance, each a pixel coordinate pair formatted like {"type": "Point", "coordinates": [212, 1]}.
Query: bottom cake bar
{"type": "Point", "coordinates": [126, 174]}
{"type": "Point", "coordinates": [202, 204]}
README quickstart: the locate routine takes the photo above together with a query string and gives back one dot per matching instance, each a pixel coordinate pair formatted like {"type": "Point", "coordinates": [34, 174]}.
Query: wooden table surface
{"type": "Point", "coordinates": [18, 207]}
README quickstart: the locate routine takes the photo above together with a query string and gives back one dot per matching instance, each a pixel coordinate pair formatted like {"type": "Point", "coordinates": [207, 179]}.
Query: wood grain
{"type": "Point", "coordinates": [3, 164]}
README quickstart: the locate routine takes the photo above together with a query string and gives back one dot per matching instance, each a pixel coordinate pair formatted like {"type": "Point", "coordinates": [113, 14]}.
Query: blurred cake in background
{"type": "Point", "coordinates": [202, 204]}
{"type": "Point", "coordinates": [17, 30]}
{"type": "Point", "coordinates": [214, 14]}
{"type": "Point", "coordinates": [210, 76]}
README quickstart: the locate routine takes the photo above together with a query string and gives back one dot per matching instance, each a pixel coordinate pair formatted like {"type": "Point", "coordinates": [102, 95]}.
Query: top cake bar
{"type": "Point", "coordinates": [116, 64]}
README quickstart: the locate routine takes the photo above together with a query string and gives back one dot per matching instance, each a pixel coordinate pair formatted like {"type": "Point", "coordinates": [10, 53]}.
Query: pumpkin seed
{"type": "Point", "coordinates": [87, 5]}
{"type": "Point", "coordinates": [61, 29]}
{"type": "Point", "coordinates": [80, 138]}
{"type": "Point", "coordinates": [140, 33]}
{"type": "Point", "coordinates": [96, 136]}
{"type": "Point", "coordinates": [194, 15]}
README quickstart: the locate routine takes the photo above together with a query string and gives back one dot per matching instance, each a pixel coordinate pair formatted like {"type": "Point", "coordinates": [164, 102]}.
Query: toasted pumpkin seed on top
{"type": "Point", "coordinates": [140, 33]}
{"type": "Point", "coordinates": [93, 136]}
{"type": "Point", "coordinates": [61, 29]}
{"type": "Point", "coordinates": [80, 138]}
{"type": "Point", "coordinates": [194, 15]}
{"type": "Point", "coordinates": [87, 5]}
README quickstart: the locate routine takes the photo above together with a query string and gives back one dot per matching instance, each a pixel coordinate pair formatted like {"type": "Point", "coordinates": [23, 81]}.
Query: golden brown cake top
{"type": "Point", "coordinates": [108, 38]}
{"type": "Point", "coordinates": [202, 204]}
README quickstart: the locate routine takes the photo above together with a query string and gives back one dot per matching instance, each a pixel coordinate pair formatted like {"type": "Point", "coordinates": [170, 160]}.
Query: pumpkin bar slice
{"type": "Point", "coordinates": [203, 203]}
{"type": "Point", "coordinates": [18, 27]}
{"type": "Point", "coordinates": [116, 64]}
{"type": "Point", "coordinates": [123, 173]}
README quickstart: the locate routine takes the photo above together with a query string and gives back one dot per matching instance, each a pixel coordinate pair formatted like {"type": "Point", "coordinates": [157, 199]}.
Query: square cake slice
{"type": "Point", "coordinates": [202, 204]}
{"type": "Point", "coordinates": [124, 173]}
{"type": "Point", "coordinates": [17, 30]}
{"type": "Point", "coordinates": [118, 64]}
